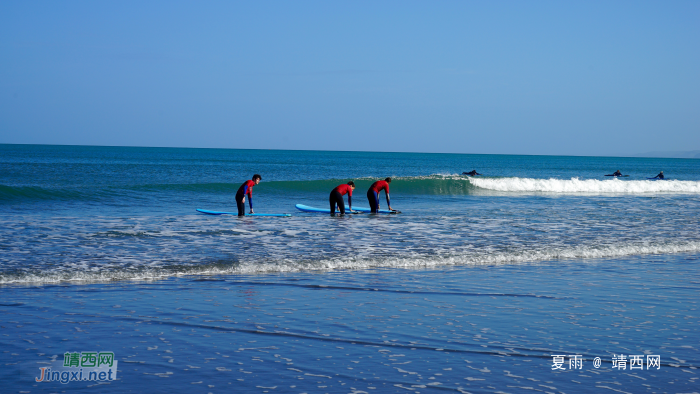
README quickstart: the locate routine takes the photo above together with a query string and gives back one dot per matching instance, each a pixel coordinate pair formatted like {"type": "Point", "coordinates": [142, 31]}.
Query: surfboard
{"type": "Point", "coordinates": [657, 179]}
{"type": "Point", "coordinates": [618, 176]}
{"type": "Point", "coordinates": [248, 214]}
{"type": "Point", "coordinates": [306, 208]}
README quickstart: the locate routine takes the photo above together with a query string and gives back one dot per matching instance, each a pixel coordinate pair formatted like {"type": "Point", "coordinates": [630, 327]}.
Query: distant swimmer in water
{"type": "Point", "coordinates": [660, 176]}
{"type": "Point", "coordinates": [373, 194]}
{"type": "Point", "coordinates": [246, 188]}
{"type": "Point", "coordinates": [471, 173]}
{"type": "Point", "coordinates": [336, 197]}
{"type": "Point", "coordinates": [616, 173]}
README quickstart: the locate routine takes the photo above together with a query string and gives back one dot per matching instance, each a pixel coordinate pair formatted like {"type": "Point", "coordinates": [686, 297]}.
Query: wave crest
{"type": "Point", "coordinates": [436, 184]}
{"type": "Point", "coordinates": [575, 185]}
{"type": "Point", "coordinates": [523, 256]}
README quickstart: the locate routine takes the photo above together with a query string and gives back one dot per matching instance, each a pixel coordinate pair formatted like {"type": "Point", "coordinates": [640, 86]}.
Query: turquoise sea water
{"type": "Point", "coordinates": [541, 255]}
{"type": "Point", "coordinates": [107, 213]}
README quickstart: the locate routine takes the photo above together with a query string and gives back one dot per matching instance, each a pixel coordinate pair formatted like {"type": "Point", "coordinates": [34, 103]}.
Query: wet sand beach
{"type": "Point", "coordinates": [464, 329]}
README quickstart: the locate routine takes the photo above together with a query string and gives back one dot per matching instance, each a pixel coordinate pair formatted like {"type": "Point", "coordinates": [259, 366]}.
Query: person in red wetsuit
{"type": "Point", "coordinates": [336, 197]}
{"type": "Point", "coordinates": [246, 188]}
{"type": "Point", "coordinates": [373, 194]}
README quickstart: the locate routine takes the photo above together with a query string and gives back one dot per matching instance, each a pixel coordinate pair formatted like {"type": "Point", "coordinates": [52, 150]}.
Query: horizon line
{"type": "Point", "coordinates": [638, 155]}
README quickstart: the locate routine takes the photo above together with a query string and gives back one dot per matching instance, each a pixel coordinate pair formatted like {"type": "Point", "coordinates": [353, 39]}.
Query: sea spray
{"type": "Point", "coordinates": [253, 266]}
{"type": "Point", "coordinates": [590, 186]}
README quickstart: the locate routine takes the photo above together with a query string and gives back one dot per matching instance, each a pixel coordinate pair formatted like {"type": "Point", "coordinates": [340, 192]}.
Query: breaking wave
{"type": "Point", "coordinates": [418, 185]}
{"type": "Point", "coordinates": [594, 186]}
{"type": "Point", "coordinates": [474, 258]}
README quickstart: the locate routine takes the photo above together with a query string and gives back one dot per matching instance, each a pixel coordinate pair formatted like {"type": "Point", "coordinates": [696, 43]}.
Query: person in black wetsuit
{"type": "Point", "coordinates": [246, 188]}
{"type": "Point", "coordinates": [336, 197]}
{"type": "Point", "coordinates": [660, 176]}
{"type": "Point", "coordinates": [617, 173]}
{"type": "Point", "coordinates": [471, 173]}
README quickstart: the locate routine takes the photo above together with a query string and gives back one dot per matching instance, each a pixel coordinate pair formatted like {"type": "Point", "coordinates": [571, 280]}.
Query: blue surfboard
{"type": "Point", "coordinates": [307, 208]}
{"type": "Point", "coordinates": [236, 213]}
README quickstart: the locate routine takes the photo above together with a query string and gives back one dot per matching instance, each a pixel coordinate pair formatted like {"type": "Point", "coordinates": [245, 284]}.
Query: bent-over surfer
{"type": "Point", "coordinates": [373, 194]}
{"type": "Point", "coordinates": [336, 197]}
{"type": "Point", "coordinates": [471, 173]}
{"type": "Point", "coordinates": [616, 173]}
{"type": "Point", "coordinates": [660, 176]}
{"type": "Point", "coordinates": [246, 188]}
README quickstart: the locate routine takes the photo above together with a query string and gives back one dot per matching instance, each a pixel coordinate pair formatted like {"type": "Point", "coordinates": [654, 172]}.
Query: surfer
{"type": "Point", "coordinates": [660, 176]}
{"type": "Point", "coordinates": [616, 173]}
{"type": "Point", "coordinates": [336, 197]}
{"type": "Point", "coordinates": [246, 188]}
{"type": "Point", "coordinates": [471, 173]}
{"type": "Point", "coordinates": [373, 194]}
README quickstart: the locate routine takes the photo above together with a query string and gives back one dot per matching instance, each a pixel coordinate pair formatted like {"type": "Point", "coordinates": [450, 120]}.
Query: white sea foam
{"type": "Point", "coordinates": [575, 185]}
{"type": "Point", "coordinates": [525, 255]}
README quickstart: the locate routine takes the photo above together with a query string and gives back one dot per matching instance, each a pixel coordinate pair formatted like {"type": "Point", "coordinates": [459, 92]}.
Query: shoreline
{"type": "Point", "coordinates": [388, 329]}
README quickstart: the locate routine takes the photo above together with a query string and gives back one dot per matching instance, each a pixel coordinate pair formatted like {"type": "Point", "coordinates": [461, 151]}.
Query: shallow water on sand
{"type": "Point", "coordinates": [462, 329]}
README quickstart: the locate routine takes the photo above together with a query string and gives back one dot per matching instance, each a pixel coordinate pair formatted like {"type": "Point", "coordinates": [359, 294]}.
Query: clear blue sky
{"type": "Point", "coordinates": [512, 77]}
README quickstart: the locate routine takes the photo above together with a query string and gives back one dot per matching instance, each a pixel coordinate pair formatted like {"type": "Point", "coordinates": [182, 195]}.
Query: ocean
{"type": "Point", "coordinates": [478, 285]}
